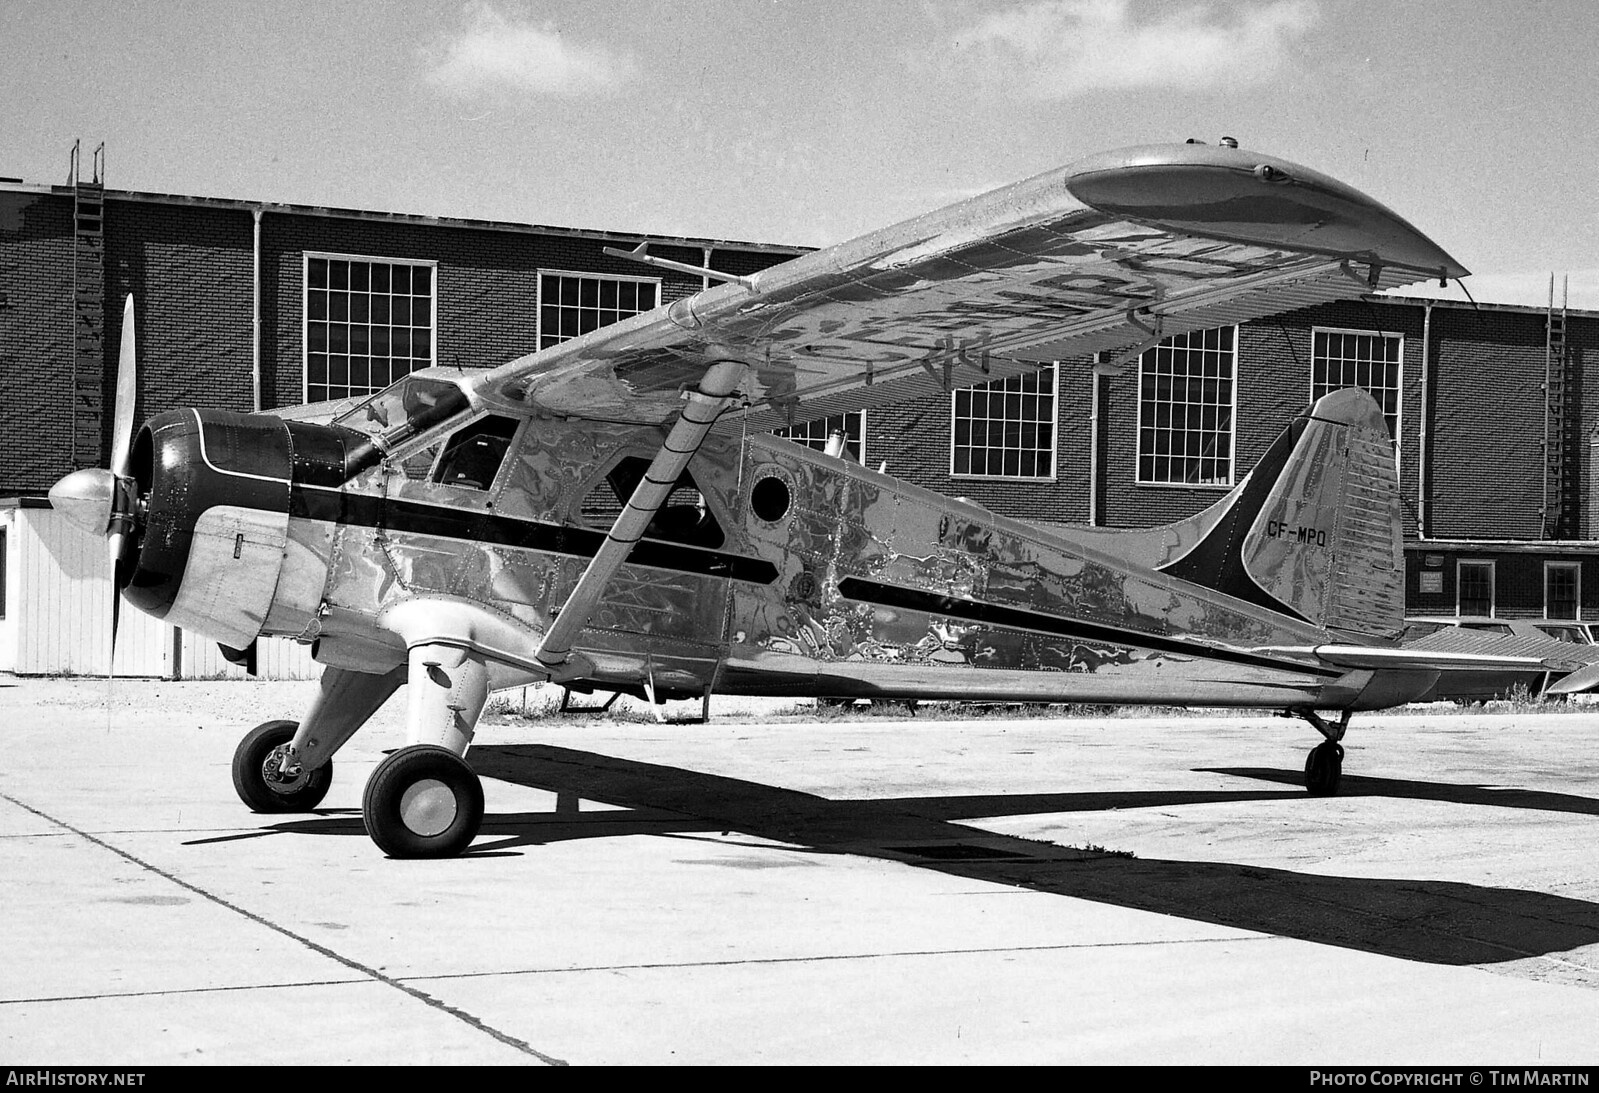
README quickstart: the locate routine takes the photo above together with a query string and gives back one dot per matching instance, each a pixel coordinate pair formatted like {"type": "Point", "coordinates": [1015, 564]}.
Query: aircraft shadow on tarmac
{"type": "Point", "coordinates": [1441, 922]}
{"type": "Point", "coordinates": [1354, 785]}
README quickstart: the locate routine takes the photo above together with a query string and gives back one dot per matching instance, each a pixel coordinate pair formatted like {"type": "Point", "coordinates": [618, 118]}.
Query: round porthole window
{"type": "Point", "coordinates": [769, 500]}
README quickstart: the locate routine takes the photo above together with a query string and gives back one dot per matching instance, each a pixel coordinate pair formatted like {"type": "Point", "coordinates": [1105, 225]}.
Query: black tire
{"type": "Point", "coordinates": [423, 802]}
{"type": "Point", "coordinates": [1324, 769]}
{"type": "Point", "coordinates": [265, 792]}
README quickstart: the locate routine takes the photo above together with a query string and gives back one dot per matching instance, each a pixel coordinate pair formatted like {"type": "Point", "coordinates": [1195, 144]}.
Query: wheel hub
{"type": "Point", "coordinates": [281, 776]}
{"type": "Point", "coordinates": [427, 807]}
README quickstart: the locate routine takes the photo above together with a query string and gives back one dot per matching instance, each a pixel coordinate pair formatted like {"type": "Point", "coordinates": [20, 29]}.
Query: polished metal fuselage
{"type": "Point", "coordinates": [861, 585]}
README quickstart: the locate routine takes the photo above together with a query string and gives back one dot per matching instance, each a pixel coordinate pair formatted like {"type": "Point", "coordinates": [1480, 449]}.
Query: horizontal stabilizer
{"type": "Point", "coordinates": [1407, 659]}
{"type": "Point", "coordinates": [1582, 679]}
{"type": "Point", "coordinates": [1431, 660]}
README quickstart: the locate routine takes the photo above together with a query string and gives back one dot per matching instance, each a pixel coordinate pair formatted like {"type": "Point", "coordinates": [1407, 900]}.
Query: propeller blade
{"type": "Point", "coordinates": [127, 393]}
{"type": "Point", "coordinates": [116, 617]}
{"type": "Point", "coordinates": [116, 540]}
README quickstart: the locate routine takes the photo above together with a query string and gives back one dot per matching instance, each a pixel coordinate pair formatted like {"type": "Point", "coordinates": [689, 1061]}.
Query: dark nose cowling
{"type": "Point", "coordinates": [212, 523]}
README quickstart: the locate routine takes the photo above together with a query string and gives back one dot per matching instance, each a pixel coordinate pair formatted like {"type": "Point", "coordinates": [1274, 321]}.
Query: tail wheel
{"type": "Point", "coordinates": [265, 783]}
{"type": "Point", "coordinates": [423, 802]}
{"type": "Point", "coordinates": [1324, 768]}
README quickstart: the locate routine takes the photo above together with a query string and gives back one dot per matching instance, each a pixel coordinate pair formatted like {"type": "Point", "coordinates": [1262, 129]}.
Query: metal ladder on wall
{"type": "Point", "coordinates": [1562, 439]}
{"type": "Point", "coordinates": [88, 311]}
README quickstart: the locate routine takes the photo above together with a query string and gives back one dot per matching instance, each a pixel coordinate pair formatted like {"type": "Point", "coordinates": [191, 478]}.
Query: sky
{"type": "Point", "coordinates": [812, 121]}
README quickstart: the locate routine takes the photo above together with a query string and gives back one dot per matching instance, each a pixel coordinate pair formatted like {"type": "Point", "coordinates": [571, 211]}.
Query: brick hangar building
{"type": "Point", "coordinates": [247, 305]}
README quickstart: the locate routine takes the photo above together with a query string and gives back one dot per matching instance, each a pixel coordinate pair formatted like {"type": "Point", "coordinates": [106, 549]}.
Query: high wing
{"type": "Point", "coordinates": [1113, 252]}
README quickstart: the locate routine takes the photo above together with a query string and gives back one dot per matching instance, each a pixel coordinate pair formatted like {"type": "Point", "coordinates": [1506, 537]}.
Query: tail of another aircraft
{"type": "Point", "coordinates": [1314, 530]}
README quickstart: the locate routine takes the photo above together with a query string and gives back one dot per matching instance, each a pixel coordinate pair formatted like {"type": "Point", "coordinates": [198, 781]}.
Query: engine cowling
{"type": "Point", "coordinates": [213, 522]}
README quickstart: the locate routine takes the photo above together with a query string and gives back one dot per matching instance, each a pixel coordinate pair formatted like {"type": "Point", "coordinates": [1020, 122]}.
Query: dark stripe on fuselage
{"type": "Point", "coordinates": [415, 518]}
{"type": "Point", "coordinates": [993, 614]}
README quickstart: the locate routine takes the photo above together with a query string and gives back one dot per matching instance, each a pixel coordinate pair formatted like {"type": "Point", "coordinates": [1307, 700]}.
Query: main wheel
{"type": "Point", "coordinates": [1324, 768]}
{"type": "Point", "coordinates": [423, 802]}
{"type": "Point", "coordinates": [261, 781]}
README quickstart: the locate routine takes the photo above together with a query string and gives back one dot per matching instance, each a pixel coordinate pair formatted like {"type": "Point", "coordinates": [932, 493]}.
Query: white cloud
{"type": "Point", "coordinates": [496, 52]}
{"type": "Point", "coordinates": [1063, 48]}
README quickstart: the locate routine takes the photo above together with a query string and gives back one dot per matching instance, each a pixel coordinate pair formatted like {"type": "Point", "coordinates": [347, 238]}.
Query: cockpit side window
{"type": "Point", "coordinates": [406, 408]}
{"type": "Point", "coordinates": [684, 517]}
{"type": "Point", "coordinates": [473, 455]}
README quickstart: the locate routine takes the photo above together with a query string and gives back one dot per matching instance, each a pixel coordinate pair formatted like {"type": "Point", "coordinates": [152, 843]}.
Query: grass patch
{"type": "Point", "coordinates": [542, 702]}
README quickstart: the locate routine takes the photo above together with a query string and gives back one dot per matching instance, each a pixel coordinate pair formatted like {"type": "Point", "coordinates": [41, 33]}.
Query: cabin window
{"type": "Point", "coordinates": [1353, 358]}
{"type": "Point", "coordinates": [683, 518]}
{"type": "Point", "coordinates": [815, 434]}
{"type": "Point", "coordinates": [1562, 590]}
{"type": "Point", "coordinates": [473, 455]}
{"type": "Point", "coordinates": [1474, 588]}
{"type": "Point", "coordinates": [571, 304]}
{"type": "Point", "coordinates": [1186, 403]}
{"type": "Point", "coordinates": [1005, 429]}
{"type": "Point", "coordinates": [368, 321]}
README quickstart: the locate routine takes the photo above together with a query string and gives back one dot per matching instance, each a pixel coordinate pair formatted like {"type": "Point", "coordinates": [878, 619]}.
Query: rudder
{"type": "Point", "coordinates": [1314, 530]}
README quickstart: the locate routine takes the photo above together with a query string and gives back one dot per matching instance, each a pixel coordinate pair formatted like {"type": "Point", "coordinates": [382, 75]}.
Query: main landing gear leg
{"type": "Point", "coordinates": [287, 766]}
{"type": "Point", "coordinates": [1324, 766]}
{"type": "Point", "coordinates": [423, 801]}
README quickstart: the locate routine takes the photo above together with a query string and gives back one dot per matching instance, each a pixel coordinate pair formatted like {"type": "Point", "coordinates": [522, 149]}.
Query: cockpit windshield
{"type": "Point", "coordinates": [406, 408]}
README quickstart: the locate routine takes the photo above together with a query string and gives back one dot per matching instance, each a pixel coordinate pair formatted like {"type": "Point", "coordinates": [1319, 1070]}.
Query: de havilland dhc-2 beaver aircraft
{"type": "Point", "coordinates": [615, 512]}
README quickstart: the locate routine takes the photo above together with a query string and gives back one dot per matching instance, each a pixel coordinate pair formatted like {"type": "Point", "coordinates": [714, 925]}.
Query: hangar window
{"type": "Point", "coordinates": [571, 304]}
{"type": "Point", "coordinates": [1353, 358]}
{"type": "Point", "coordinates": [1005, 429]}
{"type": "Point", "coordinates": [1474, 588]}
{"type": "Point", "coordinates": [368, 321]}
{"type": "Point", "coordinates": [1186, 399]}
{"type": "Point", "coordinates": [1562, 590]}
{"type": "Point", "coordinates": [815, 434]}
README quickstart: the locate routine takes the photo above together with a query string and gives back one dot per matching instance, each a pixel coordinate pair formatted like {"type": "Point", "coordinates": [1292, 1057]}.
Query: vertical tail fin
{"type": "Point", "coordinates": [1314, 530]}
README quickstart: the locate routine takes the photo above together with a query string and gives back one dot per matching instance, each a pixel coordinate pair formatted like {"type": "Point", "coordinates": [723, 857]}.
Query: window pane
{"type": "Point", "coordinates": [817, 433]}
{"type": "Point", "coordinates": [1185, 410]}
{"type": "Point", "coordinates": [1367, 361]}
{"type": "Point", "coordinates": [1476, 588]}
{"type": "Point", "coordinates": [352, 311]}
{"type": "Point", "coordinates": [571, 305]}
{"type": "Point", "coordinates": [1560, 590]}
{"type": "Point", "coordinates": [1005, 428]}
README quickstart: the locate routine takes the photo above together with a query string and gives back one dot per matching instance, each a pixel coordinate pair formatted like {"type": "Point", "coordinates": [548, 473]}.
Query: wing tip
{"type": "Point", "coordinates": [1232, 193]}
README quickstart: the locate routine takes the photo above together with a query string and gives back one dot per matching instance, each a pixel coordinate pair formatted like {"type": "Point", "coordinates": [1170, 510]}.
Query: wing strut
{"type": "Point", "coordinates": [705, 404]}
